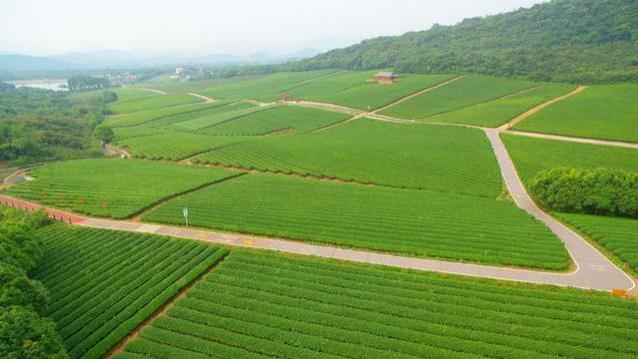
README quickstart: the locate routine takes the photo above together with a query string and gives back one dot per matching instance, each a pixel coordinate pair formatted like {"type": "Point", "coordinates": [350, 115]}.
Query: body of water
{"type": "Point", "coordinates": [45, 84]}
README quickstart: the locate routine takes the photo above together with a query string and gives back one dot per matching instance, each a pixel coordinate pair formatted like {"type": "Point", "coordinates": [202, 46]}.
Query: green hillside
{"type": "Point", "coordinates": [562, 40]}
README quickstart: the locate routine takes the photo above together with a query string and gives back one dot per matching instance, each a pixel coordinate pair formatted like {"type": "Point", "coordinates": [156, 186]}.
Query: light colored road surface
{"type": "Point", "coordinates": [160, 92]}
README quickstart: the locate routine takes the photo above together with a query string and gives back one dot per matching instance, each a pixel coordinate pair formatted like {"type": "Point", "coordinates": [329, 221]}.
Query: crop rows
{"type": "Point", "coordinates": [606, 112]}
{"type": "Point", "coordinates": [142, 117]}
{"type": "Point", "coordinates": [351, 89]}
{"type": "Point", "coordinates": [262, 88]}
{"type": "Point", "coordinates": [267, 305]}
{"type": "Point", "coordinates": [223, 114]}
{"type": "Point", "coordinates": [618, 235]}
{"type": "Point", "coordinates": [299, 119]}
{"type": "Point", "coordinates": [416, 156]}
{"type": "Point", "coordinates": [532, 155]}
{"type": "Point", "coordinates": [498, 112]}
{"type": "Point", "coordinates": [103, 284]}
{"type": "Point", "coordinates": [468, 91]}
{"type": "Point", "coordinates": [153, 102]}
{"type": "Point", "coordinates": [174, 145]}
{"type": "Point", "coordinates": [418, 223]}
{"type": "Point", "coordinates": [111, 188]}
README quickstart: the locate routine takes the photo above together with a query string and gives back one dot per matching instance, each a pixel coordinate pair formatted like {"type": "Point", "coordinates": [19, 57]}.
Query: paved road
{"type": "Point", "coordinates": [591, 141]}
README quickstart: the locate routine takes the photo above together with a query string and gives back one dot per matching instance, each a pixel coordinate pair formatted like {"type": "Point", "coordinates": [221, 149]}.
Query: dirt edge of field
{"type": "Point", "coordinates": [123, 343]}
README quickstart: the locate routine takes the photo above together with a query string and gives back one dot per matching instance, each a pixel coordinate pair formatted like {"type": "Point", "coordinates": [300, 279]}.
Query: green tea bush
{"type": "Point", "coordinates": [599, 191]}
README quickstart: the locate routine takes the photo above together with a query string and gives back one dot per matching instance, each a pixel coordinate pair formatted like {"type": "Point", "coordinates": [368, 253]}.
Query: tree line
{"type": "Point", "coordinates": [601, 191]}
{"type": "Point", "coordinates": [25, 331]}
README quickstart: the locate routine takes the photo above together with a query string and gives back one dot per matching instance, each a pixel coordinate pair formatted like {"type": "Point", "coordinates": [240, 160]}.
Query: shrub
{"type": "Point", "coordinates": [24, 334]}
{"type": "Point", "coordinates": [599, 191]}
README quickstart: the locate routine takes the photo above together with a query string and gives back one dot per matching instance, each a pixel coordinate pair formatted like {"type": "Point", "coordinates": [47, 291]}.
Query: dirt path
{"type": "Point", "coordinates": [511, 123]}
{"type": "Point", "coordinates": [110, 150]}
{"type": "Point", "coordinates": [591, 141]}
{"type": "Point", "coordinates": [160, 92]}
{"type": "Point", "coordinates": [205, 98]}
{"type": "Point", "coordinates": [325, 106]}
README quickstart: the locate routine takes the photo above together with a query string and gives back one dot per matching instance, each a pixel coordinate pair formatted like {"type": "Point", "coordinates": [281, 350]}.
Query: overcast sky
{"type": "Point", "coordinates": [195, 27]}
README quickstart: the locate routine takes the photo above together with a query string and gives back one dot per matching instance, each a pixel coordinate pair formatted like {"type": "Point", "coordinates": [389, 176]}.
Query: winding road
{"type": "Point", "coordinates": [593, 270]}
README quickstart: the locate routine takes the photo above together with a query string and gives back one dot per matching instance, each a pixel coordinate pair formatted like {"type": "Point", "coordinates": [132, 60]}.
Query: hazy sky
{"type": "Point", "coordinates": [193, 27]}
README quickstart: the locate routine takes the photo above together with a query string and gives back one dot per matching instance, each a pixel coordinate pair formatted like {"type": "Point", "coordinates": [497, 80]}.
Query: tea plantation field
{"type": "Point", "coordinates": [532, 155]}
{"type": "Point", "coordinates": [257, 305]}
{"type": "Point", "coordinates": [416, 156]}
{"type": "Point", "coordinates": [415, 223]}
{"type": "Point", "coordinates": [293, 118]}
{"type": "Point", "coordinates": [497, 112]}
{"type": "Point", "coordinates": [174, 146]}
{"type": "Point", "coordinates": [111, 188]}
{"type": "Point", "coordinates": [262, 88]}
{"type": "Point", "coordinates": [468, 91]}
{"type": "Point", "coordinates": [142, 117]}
{"type": "Point", "coordinates": [103, 284]}
{"type": "Point", "coordinates": [351, 89]}
{"type": "Point", "coordinates": [153, 102]}
{"type": "Point", "coordinates": [604, 112]}
{"type": "Point", "coordinates": [618, 235]}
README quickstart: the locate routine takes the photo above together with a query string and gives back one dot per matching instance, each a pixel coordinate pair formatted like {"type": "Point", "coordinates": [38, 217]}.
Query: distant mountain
{"type": "Point", "coordinates": [23, 63]}
{"type": "Point", "coordinates": [110, 59]}
{"type": "Point", "coordinates": [562, 40]}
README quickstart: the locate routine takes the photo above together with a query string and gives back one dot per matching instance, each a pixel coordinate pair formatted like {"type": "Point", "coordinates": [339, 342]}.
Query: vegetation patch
{"type": "Point", "coordinates": [411, 222]}
{"type": "Point", "coordinates": [600, 191]}
{"type": "Point", "coordinates": [111, 188]}
{"type": "Point", "coordinates": [104, 284]}
{"type": "Point", "coordinates": [604, 112]}
{"type": "Point", "coordinates": [153, 102]}
{"type": "Point", "coordinates": [263, 305]}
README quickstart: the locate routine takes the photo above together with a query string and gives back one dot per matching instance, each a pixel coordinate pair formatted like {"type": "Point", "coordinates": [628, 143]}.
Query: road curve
{"type": "Point", "coordinates": [594, 270]}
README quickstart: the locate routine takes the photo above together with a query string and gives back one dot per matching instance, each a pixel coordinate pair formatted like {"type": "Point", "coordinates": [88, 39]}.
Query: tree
{"type": "Point", "coordinates": [104, 134]}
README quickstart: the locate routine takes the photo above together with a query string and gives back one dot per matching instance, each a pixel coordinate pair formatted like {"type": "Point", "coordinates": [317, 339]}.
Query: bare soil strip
{"type": "Point", "coordinates": [160, 92]}
{"type": "Point", "coordinates": [119, 347]}
{"type": "Point", "coordinates": [525, 115]}
{"type": "Point", "coordinates": [205, 98]}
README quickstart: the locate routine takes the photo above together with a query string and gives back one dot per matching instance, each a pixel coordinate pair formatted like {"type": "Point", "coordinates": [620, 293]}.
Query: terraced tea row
{"type": "Point", "coordinates": [142, 117]}
{"type": "Point", "coordinates": [174, 146]}
{"type": "Point", "coordinates": [468, 91]}
{"type": "Point", "coordinates": [153, 102]}
{"type": "Point", "coordinates": [618, 235]}
{"type": "Point", "coordinates": [604, 112]}
{"type": "Point", "coordinates": [265, 305]}
{"type": "Point", "coordinates": [277, 118]}
{"type": "Point", "coordinates": [369, 151]}
{"type": "Point", "coordinates": [414, 223]}
{"type": "Point", "coordinates": [497, 112]}
{"type": "Point", "coordinates": [111, 188]}
{"type": "Point", "coordinates": [532, 155]}
{"type": "Point", "coordinates": [103, 284]}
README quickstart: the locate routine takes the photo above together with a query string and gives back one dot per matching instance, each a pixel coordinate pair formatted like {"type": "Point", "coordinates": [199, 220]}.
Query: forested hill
{"type": "Point", "coordinates": [562, 40]}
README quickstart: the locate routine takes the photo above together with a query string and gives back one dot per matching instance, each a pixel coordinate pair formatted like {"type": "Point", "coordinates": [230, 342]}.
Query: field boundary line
{"type": "Point", "coordinates": [532, 111]}
{"type": "Point", "coordinates": [333, 125]}
{"type": "Point", "coordinates": [420, 92]}
{"type": "Point", "coordinates": [259, 109]}
{"type": "Point", "coordinates": [139, 214]}
{"type": "Point", "coordinates": [161, 117]}
{"type": "Point", "coordinates": [134, 334]}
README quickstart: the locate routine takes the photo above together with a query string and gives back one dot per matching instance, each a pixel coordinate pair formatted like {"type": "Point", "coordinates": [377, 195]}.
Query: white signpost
{"type": "Point", "coordinates": [185, 213]}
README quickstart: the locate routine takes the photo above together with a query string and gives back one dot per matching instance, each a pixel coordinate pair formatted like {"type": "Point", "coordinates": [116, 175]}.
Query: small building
{"type": "Point", "coordinates": [286, 96]}
{"type": "Point", "coordinates": [179, 71]}
{"type": "Point", "coordinates": [385, 78]}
